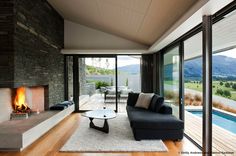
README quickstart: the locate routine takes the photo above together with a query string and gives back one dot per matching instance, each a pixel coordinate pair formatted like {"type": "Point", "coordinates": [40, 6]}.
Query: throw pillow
{"type": "Point", "coordinates": [152, 105]}
{"type": "Point", "coordinates": [156, 103]}
{"type": "Point", "coordinates": [144, 100]}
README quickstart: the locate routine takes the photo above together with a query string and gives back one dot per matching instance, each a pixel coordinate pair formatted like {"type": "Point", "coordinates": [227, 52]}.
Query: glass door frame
{"type": "Point", "coordinates": [207, 130]}
{"type": "Point", "coordinates": [76, 89]}
{"type": "Point", "coordinates": [181, 75]}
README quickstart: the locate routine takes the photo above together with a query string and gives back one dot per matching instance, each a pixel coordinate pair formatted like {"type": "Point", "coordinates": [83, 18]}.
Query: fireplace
{"type": "Point", "coordinates": [22, 102]}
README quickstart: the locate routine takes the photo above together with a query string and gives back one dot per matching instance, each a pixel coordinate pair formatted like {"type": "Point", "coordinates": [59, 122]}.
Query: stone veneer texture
{"type": "Point", "coordinates": [37, 39]}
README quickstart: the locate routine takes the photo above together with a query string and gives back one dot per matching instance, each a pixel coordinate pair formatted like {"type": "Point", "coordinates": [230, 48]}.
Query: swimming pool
{"type": "Point", "coordinates": [221, 119]}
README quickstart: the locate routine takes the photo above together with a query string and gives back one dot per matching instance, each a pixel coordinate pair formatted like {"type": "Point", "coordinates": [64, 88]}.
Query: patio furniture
{"type": "Point", "coordinates": [111, 90]}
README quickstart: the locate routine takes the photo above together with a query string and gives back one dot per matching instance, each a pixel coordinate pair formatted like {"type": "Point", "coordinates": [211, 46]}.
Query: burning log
{"type": "Point", "coordinates": [19, 104]}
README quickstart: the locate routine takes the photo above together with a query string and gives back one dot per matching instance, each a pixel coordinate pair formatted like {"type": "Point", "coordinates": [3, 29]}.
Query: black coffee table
{"type": "Point", "coordinates": [102, 114]}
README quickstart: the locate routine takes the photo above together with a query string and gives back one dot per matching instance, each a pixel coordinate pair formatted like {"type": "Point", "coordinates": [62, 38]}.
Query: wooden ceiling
{"type": "Point", "coordinates": [142, 21]}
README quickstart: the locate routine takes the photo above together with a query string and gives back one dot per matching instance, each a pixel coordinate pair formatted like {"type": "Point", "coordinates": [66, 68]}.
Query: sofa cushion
{"type": "Point", "coordinates": [145, 119]}
{"type": "Point", "coordinates": [165, 109]}
{"type": "Point", "coordinates": [58, 107]}
{"type": "Point", "coordinates": [144, 100]}
{"type": "Point", "coordinates": [156, 103]}
{"type": "Point", "coordinates": [132, 99]}
{"type": "Point", "coordinates": [69, 103]}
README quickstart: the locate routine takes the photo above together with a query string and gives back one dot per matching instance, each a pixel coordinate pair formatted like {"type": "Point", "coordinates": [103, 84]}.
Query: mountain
{"type": "Point", "coordinates": [223, 67]}
{"type": "Point", "coordinates": [131, 69]}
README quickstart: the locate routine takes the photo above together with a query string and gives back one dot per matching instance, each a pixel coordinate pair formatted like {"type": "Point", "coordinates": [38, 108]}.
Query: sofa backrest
{"type": "Point", "coordinates": [155, 104]}
{"type": "Point", "coordinates": [132, 99]}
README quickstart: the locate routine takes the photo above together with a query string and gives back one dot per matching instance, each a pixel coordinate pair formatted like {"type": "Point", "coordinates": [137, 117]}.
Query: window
{"type": "Point", "coordinates": [171, 79]}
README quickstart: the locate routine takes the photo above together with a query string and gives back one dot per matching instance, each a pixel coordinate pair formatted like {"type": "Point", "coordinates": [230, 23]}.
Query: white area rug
{"type": "Point", "coordinates": [119, 139]}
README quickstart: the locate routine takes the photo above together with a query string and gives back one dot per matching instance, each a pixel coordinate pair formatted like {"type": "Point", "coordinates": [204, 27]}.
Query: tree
{"type": "Point", "coordinates": [219, 92]}
{"type": "Point", "coordinates": [234, 86]}
{"type": "Point", "coordinates": [227, 93]}
{"type": "Point", "coordinates": [127, 82]}
{"type": "Point", "coordinates": [227, 85]}
{"type": "Point", "coordinates": [111, 81]}
{"type": "Point", "coordinates": [221, 83]}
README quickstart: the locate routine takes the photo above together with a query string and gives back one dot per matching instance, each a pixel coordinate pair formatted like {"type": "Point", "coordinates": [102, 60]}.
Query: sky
{"type": "Point", "coordinates": [129, 60]}
{"type": "Point", "coordinates": [110, 62]}
{"type": "Point", "coordinates": [229, 53]}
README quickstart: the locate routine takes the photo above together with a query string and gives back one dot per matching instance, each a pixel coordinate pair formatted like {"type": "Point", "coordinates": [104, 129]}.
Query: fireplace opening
{"type": "Point", "coordinates": [19, 104]}
{"type": "Point", "coordinates": [27, 101]}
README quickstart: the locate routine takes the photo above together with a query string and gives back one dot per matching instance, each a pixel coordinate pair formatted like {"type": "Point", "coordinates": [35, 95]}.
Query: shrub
{"type": "Point", "coordinates": [227, 93]}
{"type": "Point", "coordinates": [100, 84]}
{"type": "Point", "coordinates": [189, 100]}
{"type": "Point", "coordinates": [197, 97]}
{"type": "Point", "coordinates": [221, 83]}
{"type": "Point", "coordinates": [234, 86]}
{"type": "Point", "coordinates": [220, 92]}
{"type": "Point", "coordinates": [169, 94]}
{"type": "Point", "coordinates": [227, 85]}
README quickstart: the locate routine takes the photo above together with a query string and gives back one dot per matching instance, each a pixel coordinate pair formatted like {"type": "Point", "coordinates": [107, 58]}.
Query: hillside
{"type": "Point", "coordinates": [223, 66]}
{"type": "Point", "coordinates": [131, 69]}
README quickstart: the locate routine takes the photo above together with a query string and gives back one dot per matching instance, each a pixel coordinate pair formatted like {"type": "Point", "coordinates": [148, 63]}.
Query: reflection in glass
{"type": "Point", "coordinates": [171, 79]}
{"type": "Point", "coordinates": [224, 84]}
{"type": "Point", "coordinates": [193, 87]}
{"type": "Point", "coordinates": [129, 78]}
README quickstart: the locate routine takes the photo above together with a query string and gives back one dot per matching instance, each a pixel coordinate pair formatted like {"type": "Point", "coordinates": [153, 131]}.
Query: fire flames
{"type": "Point", "coordinates": [19, 104]}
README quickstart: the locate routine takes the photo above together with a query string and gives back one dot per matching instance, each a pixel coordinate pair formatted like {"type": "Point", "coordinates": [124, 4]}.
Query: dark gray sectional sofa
{"type": "Point", "coordinates": [156, 122]}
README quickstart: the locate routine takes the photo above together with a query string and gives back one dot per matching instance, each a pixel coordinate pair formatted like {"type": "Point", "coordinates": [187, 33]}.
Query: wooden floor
{"type": "Point", "coordinates": [51, 142]}
{"type": "Point", "coordinates": [222, 140]}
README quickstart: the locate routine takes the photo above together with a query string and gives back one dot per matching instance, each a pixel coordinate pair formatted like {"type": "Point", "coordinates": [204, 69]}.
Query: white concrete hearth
{"type": "Point", "coordinates": [16, 135]}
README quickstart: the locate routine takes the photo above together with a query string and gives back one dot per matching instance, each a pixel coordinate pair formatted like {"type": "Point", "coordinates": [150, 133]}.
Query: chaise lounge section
{"type": "Point", "coordinates": [147, 124]}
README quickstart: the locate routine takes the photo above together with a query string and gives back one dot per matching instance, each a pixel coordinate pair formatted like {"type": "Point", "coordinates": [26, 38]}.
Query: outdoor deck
{"type": "Point", "coordinates": [96, 101]}
{"type": "Point", "coordinates": [222, 140]}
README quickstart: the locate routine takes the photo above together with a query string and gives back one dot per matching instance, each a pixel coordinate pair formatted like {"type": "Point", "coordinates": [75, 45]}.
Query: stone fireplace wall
{"type": "Point", "coordinates": [31, 40]}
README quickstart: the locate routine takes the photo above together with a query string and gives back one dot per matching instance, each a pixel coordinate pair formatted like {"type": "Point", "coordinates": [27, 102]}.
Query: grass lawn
{"type": "Point", "coordinates": [216, 85]}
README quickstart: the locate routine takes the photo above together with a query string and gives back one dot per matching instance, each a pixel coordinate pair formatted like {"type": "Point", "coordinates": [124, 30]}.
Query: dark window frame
{"type": "Point", "coordinates": [219, 15]}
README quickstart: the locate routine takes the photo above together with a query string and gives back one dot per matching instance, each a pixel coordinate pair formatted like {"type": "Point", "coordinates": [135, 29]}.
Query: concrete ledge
{"type": "Point", "coordinates": [15, 135]}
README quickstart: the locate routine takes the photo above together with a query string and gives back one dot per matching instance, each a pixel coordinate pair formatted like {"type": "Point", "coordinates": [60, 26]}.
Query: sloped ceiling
{"type": "Point", "coordinates": [142, 21]}
{"type": "Point", "coordinates": [78, 36]}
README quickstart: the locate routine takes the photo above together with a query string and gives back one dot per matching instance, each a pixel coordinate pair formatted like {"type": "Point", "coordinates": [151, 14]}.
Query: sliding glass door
{"type": "Point", "coordinates": [129, 78]}
{"type": "Point", "coordinates": [193, 90]}
{"type": "Point", "coordinates": [217, 134]}
{"type": "Point", "coordinates": [224, 85]}
{"type": "Point", "coordinates": [172, 79]}
{"type": "Point", "coordinates": [97, 83]}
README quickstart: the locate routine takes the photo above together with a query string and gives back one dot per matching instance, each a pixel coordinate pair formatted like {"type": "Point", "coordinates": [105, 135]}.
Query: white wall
{"type": "Point", "coordinates": [5, 104]}
{"type": "Point", "coordinates": [81, 37]}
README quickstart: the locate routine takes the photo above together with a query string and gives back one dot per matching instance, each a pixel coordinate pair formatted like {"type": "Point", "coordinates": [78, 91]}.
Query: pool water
{"type": "Point", "coordinates": [223, 120]}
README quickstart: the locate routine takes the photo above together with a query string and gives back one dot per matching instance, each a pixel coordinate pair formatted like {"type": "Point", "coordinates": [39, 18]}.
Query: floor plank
{"type": "Point", "coordinates": [51, 142]}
